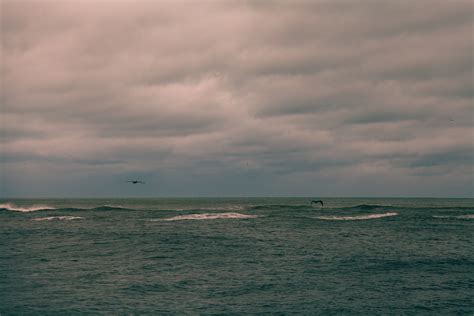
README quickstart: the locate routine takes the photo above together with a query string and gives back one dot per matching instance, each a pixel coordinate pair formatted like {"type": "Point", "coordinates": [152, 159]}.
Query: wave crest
{"type": "Point", "coordinates": [109, 208]}
{"type": "Point", "coordinates": [60, 218]}
{"type": "Point", "coordinates": [357, 217]}
{"type": "Point", "coordinates": [208, 216]}
{"type": "Point", "coordinates": [33, 208]}
{"type": "Point", "coordinates": [211, 208]}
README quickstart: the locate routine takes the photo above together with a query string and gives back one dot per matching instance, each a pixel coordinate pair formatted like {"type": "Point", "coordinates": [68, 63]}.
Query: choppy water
{"type": "Point", "coordinates": [237, 256]}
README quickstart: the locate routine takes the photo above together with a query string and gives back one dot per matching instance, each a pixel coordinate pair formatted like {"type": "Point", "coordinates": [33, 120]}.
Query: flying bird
{"type": "Point", "coordinates": [316, 202]}
{"type": "Point", "coordinates": [135, 181]}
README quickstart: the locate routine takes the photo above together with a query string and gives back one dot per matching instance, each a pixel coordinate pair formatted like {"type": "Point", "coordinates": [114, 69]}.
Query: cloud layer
{"type": "Point", "coordinates": [237, 98]}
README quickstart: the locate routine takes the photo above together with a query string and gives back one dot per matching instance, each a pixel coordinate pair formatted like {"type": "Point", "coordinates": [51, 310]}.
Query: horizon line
{"type": "Point", "coordinates": [235, 197]}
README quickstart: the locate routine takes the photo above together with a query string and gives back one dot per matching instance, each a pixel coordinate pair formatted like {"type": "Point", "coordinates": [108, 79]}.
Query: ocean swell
{"type": "Point", "coordinates": [465, 216]}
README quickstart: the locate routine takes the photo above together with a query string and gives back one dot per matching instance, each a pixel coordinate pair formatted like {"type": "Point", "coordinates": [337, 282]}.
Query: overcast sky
{"type": "Point", "coordinates": [237, 98]}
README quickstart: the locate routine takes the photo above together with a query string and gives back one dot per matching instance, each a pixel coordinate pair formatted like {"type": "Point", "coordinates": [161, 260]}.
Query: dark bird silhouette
{"type": "Point", "coordinates": [316, 202]}
{"type": "Point", "coordinates": [135, 181]}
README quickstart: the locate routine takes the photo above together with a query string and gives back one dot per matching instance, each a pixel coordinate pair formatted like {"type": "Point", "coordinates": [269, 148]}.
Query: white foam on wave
{"type": "Point", "coordinates": [208, 216]}
{"type": "Point", "coordinates": [356, 218]}
{"type": "Point", "coordinates": [13, 208]}
{"type": "Point", "coordinates": [466, 216]}
{"type": "Point", "coordinates": [60, 218]}
{"type": "Point", "coordinates": [210, 208]}
{"type": "Point", "coordinates": [112, 206]}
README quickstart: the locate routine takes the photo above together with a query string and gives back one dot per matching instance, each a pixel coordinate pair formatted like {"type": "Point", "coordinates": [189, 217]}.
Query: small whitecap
{"type": "Point", "coordinates": [59, 218]}
{"type": "Point", "coordinates": [355, 218]}
{"type": "Point", "coordinates": [13, 208]}
{"type": "Point", "coordinates": [208, 216]}
{"type": "Point", "coordinates": [216, 208]}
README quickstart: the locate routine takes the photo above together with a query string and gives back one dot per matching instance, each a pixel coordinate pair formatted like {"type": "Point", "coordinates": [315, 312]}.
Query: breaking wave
{"type": "Point", "coordinates": [60, 218]}
{"type": "Point", "coordinates": [357, 217]}
{"type": "Point", "coordinates": [33, 208]}
{"type": "Point", "coordinates": [213, 208]}
{"type": "Point", "coordinates": [208, 216]}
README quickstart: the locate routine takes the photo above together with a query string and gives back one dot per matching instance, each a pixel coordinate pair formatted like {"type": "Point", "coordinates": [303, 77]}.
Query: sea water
{"type": "Point", "coordinates": [236, 256]}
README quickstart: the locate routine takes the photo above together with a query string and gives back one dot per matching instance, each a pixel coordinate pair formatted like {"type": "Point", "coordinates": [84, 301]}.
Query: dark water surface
{"type": "Point", "coordinates": [237, 256]}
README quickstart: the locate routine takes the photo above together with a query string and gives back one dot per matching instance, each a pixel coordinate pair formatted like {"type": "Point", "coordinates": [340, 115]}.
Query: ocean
{"type": "Point", "coordinates": [237, 256]}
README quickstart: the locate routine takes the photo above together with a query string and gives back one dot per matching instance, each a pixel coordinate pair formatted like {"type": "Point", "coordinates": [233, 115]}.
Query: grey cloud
{"type": "Point", "coordinates": [457, 156]}
{"type": "Point", "coordinates": [251, 89]}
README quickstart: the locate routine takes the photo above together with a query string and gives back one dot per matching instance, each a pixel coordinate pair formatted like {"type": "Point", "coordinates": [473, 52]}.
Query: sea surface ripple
{"type": "Point", "coordinates": [236, 256]}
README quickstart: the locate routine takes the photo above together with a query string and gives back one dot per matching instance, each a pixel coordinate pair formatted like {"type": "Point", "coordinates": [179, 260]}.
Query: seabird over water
{"type": "Point", "coordinates": [135, 181]}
